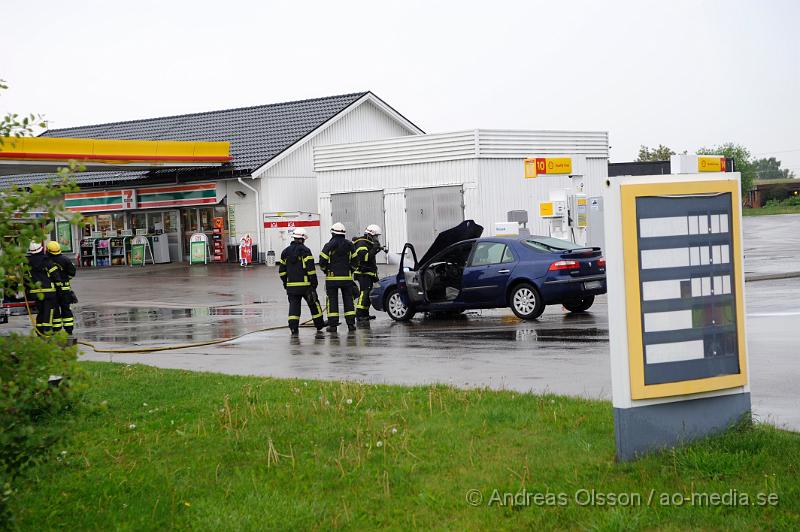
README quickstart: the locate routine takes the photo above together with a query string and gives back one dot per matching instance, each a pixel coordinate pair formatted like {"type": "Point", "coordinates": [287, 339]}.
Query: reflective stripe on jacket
{"type": "Point", "coordinates": [43, 274]}
{"type": "Point", "coordinates": [296, 266]}
{"type": "Point", "coordinates": [66, 271]}
{"type": "Point", "coordinates": [364, 256]}
{"type": "Point", "coordinates": [335, 259]}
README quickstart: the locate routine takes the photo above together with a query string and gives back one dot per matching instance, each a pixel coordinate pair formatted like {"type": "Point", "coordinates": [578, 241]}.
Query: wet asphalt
{"type": "Point", "coordinates": [562, 353]}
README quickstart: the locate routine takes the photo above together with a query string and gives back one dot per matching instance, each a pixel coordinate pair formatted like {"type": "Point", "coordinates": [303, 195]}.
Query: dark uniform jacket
{"type": "Point", "coordinates": [335, 259]}
{"type": "Point", "coordinates": [44, 272]}
{"type": "Point", "coordinates": [364, 256]}
{"type": "Point", "coordinates": [297, 269]}
{"type": "Point", "coordinates": [66, 270]}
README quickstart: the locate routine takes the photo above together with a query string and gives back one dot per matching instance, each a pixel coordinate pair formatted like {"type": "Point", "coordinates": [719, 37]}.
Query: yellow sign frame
{"type": "Point", "coordinates": [630, 233]}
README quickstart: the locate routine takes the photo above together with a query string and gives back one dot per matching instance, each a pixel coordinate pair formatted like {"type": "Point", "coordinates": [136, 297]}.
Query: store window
{"type": "Point", "coordinates": [189, 220]}
{"type": "Point", "coordinates": [88, 226]}
{"type": "Point", "coordinates": [206, 219]}
{"type": "Point", "coordinates": [155, 223]}
{"type": "Point", "coordinates": [138, 221]}
{"type": "Point", "coordinates": [170, 221]}
{"type": "Point", "coordinates": [118, 221]}
{"type": "Point", "coordinates": [103, 222]}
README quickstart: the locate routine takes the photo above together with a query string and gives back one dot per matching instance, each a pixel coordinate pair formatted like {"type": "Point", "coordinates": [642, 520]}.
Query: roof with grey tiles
{"type": "Point", "coordinates": [257, 135]}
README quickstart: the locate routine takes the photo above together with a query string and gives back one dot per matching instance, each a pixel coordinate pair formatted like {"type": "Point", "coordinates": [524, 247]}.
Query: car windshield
{"type": "Point", "coordinates": [546, 243]}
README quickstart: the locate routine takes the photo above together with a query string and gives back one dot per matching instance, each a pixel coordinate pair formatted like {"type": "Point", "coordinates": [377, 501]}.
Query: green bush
{"type": "Point", "coordinates": [791, 201]}
{"type": "Point", "coordinates": [29, 401]}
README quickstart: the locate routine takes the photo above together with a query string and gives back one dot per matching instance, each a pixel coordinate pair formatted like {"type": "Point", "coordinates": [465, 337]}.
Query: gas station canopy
{"type": "Point", "coordinates": [26, 155]}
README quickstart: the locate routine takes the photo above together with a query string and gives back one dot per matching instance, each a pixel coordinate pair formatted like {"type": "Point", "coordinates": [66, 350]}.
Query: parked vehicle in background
{"type": "Point", "coordinates": [463, 271]}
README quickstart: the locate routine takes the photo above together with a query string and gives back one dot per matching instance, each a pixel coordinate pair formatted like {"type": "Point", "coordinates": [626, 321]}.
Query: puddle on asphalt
{"type": "Point", "coordinates": [149, 325]}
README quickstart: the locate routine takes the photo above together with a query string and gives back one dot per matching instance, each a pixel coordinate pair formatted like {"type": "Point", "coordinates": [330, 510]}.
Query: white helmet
{"type": "Point", "coordinates": [338, 229]}
{"type": "Point", "coordinates": [374, 230]}
{"type": "Point", "coordinates": [35, 247]}
{"type": "Point", "coordinates": [299, 233]}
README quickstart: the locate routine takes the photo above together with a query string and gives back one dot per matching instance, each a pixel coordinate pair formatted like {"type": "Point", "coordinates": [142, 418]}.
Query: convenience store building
{"type": "Point", "coordinates": [270, 170]}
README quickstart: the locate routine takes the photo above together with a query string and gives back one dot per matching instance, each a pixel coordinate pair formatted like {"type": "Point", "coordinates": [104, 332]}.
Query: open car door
{"type": "Point", "coordinates": [409, 283]}
{"type": "Point", "coordinates": [409, 280]}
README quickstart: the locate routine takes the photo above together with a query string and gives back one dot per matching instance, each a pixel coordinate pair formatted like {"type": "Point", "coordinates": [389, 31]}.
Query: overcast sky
{"type": "Point", "coordinates": [685, 74]}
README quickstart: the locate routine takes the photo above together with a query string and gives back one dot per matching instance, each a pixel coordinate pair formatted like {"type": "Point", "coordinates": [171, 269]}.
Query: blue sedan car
{"type": "Point", "coordinates": [462, 271]}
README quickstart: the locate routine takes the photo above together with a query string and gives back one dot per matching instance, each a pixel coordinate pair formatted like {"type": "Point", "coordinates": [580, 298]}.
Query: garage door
{"type": "Point", "coordinates": [430, 211]}
{"type": "Point", "coordinates": [356, 210]}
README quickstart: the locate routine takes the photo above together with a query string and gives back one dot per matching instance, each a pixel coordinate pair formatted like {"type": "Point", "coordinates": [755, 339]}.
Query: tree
{"type": "Point", "coordinates": [771, 169]}
{"type": "Point", "coordinates": [661, 153]}
{"type": "Point", "coordinates": [742, 162]}
{"type": "Point", "coordinates": [17, 229]}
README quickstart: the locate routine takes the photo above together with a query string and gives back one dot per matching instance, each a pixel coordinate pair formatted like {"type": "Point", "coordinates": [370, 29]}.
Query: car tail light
{"type": "Point", "coordinates": [564, 265]}
{"type": "Point", "coordinates": [601, 262]}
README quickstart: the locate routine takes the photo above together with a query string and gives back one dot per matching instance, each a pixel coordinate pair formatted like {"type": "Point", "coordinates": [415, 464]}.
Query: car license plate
{"type": "Point", "coordinates": [592, 285]}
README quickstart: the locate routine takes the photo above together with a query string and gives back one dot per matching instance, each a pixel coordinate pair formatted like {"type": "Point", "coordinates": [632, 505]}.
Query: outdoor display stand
{"type": "Point", "coordinates": [127, 236]}
{"type": "Point", "coordinates": [102, 252]}
{"type": "Point", "coordinates": [198, 249]}
{"type": "Point", "coordinates": [140, 246]}
{"type": "Point", "coordinates": [118, 255]}
{"type": "Point", "coordinates": [217, 248]}
{"type": "Point", "coordinates": [86, 253]}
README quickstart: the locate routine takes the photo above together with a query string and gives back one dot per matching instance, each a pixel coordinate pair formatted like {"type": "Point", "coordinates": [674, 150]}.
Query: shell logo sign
{"type": "Point", "coordinates": [711, 164]}
{"type": "Point", "coordinates": [547, 165]}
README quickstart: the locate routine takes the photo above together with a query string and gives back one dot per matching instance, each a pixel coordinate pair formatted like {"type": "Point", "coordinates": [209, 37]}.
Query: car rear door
{"type": "Point", "coordinates": [486, 276]}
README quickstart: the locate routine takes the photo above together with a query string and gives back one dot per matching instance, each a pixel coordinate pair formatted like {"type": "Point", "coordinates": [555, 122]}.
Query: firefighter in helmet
{"type": "Point", "coordinates": [299, 277]}
{"type": "Point", "coordinates": [41, 288]}
{"type": "Point", "coordinates": [335, 259]}
{"type": "Point", "coordinates": [366, 269]}
{"type": "Point", "coordinates": [64, 294]}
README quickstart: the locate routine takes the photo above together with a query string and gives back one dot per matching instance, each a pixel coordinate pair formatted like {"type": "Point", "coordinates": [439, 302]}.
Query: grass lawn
{"type": "Point", "coordinates": [156, 449]}
{"type": "Point", "coordinates": [763, 211]}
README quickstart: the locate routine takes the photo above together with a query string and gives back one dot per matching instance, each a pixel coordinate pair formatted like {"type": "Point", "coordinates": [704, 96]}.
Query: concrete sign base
{"type": "Point", "coordinates": [649, 428]}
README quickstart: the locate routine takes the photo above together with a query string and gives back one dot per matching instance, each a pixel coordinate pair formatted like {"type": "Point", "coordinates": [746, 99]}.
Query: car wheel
{"type": "Point", "coordinates": [526, 302]}
{"type": "Point", "coordinates": [579, 305]}
{"type": "Point", "coordinates": [395, 308]}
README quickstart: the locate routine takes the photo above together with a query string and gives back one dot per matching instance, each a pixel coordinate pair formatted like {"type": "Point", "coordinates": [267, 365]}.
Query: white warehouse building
{"type": "Point", "coordinates": [418, 185]}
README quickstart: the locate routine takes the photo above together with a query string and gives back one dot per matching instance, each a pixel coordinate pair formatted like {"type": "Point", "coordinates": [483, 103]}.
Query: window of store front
{"type": "Point", "coordinates": [103, 222]}
{"type": "Point", "coordinates": [170, 221]}
{"type": "Point", "coordinates": [155, 223]}
{"type": "Point", "coordinates": [118, 221]}
{"type": "Point", "coordinates": [206, 219]}
{"type": "Point", "coordinates": [189, 220]}
{"type": "Point", "coordinates": [138, 221]}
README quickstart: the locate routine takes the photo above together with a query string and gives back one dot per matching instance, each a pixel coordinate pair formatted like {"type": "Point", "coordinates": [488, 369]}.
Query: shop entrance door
{"type": "Point", "coordinates": [172, 229]}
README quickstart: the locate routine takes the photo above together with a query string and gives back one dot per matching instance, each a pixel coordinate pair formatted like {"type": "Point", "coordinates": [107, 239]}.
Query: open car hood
{"type": "Point", "coordinates": [466, 230]}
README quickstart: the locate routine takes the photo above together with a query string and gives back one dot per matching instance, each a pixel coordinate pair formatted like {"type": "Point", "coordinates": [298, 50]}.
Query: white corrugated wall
{"type": "Point", "coordinates": [487, 163]}
{"type": "Point", "coordinates": [503, 187]}
{"type": "Point", "coordinates": [440, 147]}
{"type": "Point", "coordinates": [242, 209]}
{"type": "Point", "coordinates": [290, 194]}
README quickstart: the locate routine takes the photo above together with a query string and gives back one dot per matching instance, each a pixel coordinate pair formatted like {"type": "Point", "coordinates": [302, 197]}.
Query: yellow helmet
{"type": "Point", "coordinates": [53, 248]}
